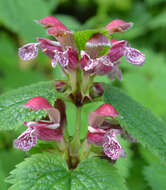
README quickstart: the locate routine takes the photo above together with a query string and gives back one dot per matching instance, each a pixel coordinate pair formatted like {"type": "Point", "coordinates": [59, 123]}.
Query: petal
{"type": "Point", "coordinates": [26, 140]}
{"type": "Point", "coordinates": [104, 65]}
{"type": "Point", "coordinates": [41, 124]}
{"type": "Point", "coordinates": [67, 59]}
{"type": "Point", "coordinates": [112, 147]}
{"type": "Point", "coordinates": [115, 73]}
{"type": "Point", "coordinates": [117, 50]}
{"type": "Point", "coordinates": [49, 134]}
{"type": "Point", "coordinates": [95, 119]}
{"type": "Point", "coordinates": [134, 56]}
{"type": "Point", "coordinates": [45, 130]}
{"type": "Point", "coordinates": [48, 46]}
{"type": "Point", "coordinates": [86, 63]}
{"type": "Point", "coordinates": [73, 58]}
{"type": "Point", "coordinates": [54, 114]}
{"type": "Point", "coordinates": [118, 26]}
{"type": "Point", "coordinates": [95, 136]}
{"type": "Point", "coordinates": [95, 44]}
{"type": "Point", "coordinates": [38, 103]}
{"type": "Point", "coordinates": [51, 21]}
{"type": "Point", "coordinates": [64, 37]}
{"type": "Point", "coordinates": [28, 51]}
{"type": "Point", "coordinates": [107, 110]}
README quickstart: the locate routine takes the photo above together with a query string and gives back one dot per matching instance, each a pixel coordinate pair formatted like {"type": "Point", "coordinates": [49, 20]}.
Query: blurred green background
{"type": "Point", "coordinates": [146, 84]}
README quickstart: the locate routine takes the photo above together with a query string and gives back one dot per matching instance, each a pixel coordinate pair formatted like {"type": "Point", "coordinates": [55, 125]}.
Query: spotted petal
{"type": "Point", "coordinates": [134, 56]}
{"type": "Point", "coordinates": [26, 140]}
{"type": "Point", "coordinates": [112, 147]}
{"type": "Point", "coordinates": [28, 51]}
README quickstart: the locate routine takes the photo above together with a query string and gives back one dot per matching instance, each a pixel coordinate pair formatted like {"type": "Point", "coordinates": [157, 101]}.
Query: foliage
{"type": "Point", "coordinates": [138, 121]}
{"type": "Point", "coordinates": [12, 111]}
{"type": "Point", "coordinates": [89, 174]}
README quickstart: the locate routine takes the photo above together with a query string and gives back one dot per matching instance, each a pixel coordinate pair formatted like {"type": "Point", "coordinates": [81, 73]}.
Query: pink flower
{"type": "Point", "coordinates": [43, 129]}
{"type": "Point", "coordinates": [92, 62]}
{"type": "Point", "coordinates": [62, 51]}
{"type": "Point", "coordinates": [103, 132]}
{"type": "Point", "coordinates": [118, 26]}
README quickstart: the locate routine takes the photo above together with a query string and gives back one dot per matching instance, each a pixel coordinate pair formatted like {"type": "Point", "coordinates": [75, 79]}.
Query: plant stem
{"type": "Point", "coordinates": [75, 143]}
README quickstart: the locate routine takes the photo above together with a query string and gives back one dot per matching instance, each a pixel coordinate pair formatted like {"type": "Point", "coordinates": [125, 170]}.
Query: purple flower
{"type": "Point", "coordinates": [64, 50]}
{"type": "Point", "coordinates": [103, 132]}
{"type": "Point", "coordinates": [28, 51]}
{"type": "Point", "coordinates": [43, 129]}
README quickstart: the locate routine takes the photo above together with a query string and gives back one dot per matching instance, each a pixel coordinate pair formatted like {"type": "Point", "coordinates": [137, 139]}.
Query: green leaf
{"type": "Point", "coordinates": [7, 163]}
{"type": "Point", "coordinates": [71, 117]}
{"type": "Point", "coordinates": [82, 37]}
{"type": "Point", "coordinates": [41, 172]}
{"type": "Point", "coordinates": [96, 174]}
{"type": "Point", "coordinates": [12, 111]}
{"type": "Point", "coordinates": [19, 16]}
{"type": "Point", "coordinates": [155, 175]}
{"type": "Point", "coordinates": [50, 172]}
{"type": "Point", "coordinates": [124, 164]}
{"type": "Point", "coordinates": [138, 121]}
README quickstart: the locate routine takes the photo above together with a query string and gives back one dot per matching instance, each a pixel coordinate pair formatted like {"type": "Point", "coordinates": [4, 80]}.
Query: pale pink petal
{"type": "Point", "coordinates": [95, 44]}
{"type": "Point", "coordinates": [134, 56]}
{"type": "Point", "coordinates": [28, 51]}
{"type": "Point", "coordinates": [38, 103]}
{"type": "Point", "coordinates": [64, 37]}
{"type": "Point", "coordinates": [118, 26]}
{"type": "Point", "coordinates": [115, 73]}
{"type": "Point", "coordinates": [107, 110]}
{"type": "Point", "coordinates": [95, 119]}
{"type": "Point", "coordinates": [26, 140]}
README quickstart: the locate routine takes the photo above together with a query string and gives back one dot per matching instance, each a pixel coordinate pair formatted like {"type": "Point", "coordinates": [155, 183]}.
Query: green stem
{"type": "Point", "coordinates": [75, 143]}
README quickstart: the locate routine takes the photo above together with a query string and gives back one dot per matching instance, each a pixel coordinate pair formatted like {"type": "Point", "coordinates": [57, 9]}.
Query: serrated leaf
{"type": "Point", "coordinates": [138, 121]}
{"type": "Point", "coordinates": [155, 175]}
{"type": "Point", "coordinates": [42, 172]}
{"type": "Point", "coordinates": [49, 172]}
{"type": "Point", "coordinates": [82, 37]}
{"type": "Point", "coordinates": [12, 111]}
{"type": "Point", "coordinates": [96, 174]}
